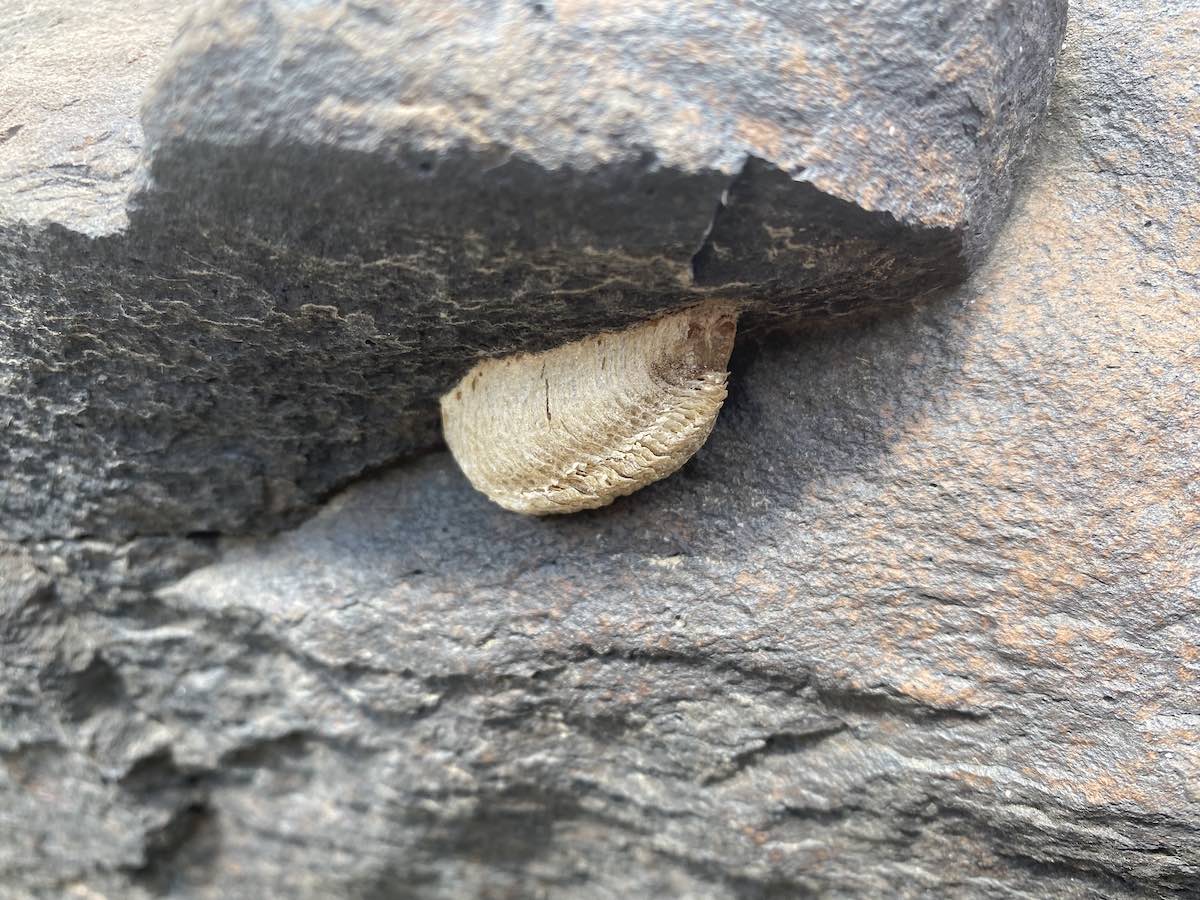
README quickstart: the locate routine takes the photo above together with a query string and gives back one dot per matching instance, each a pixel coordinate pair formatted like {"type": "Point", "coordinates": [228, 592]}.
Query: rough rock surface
{"type": "Point", "coordinates": [341, 205]}
{"type": "Point", "coordinates": [919, 621]}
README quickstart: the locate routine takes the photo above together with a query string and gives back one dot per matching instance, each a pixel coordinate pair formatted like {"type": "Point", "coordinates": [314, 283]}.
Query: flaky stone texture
{"type": "Point", "coordinates": [919, 620]}
{"type": "Point", "coordinates": [71, 77]}
{"type": "Point", "coordinates": [578, 426]}
{"type": "Point", "coordinates": [341, 207]}
{"type": "Point", "coordinates": [917, 110]}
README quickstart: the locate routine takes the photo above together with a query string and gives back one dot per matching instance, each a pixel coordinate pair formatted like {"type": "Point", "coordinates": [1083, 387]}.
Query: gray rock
{"type": "Point", "coordinates": [340, 206]}
{"type": "Point", "coordinates": [920, 620]}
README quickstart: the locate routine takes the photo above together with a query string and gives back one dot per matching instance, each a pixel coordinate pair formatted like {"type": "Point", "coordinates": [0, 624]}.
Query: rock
{"type": "Point", "coordinates": [339, 207]}
{"type": "Point", "coordinates": [919, 620]}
